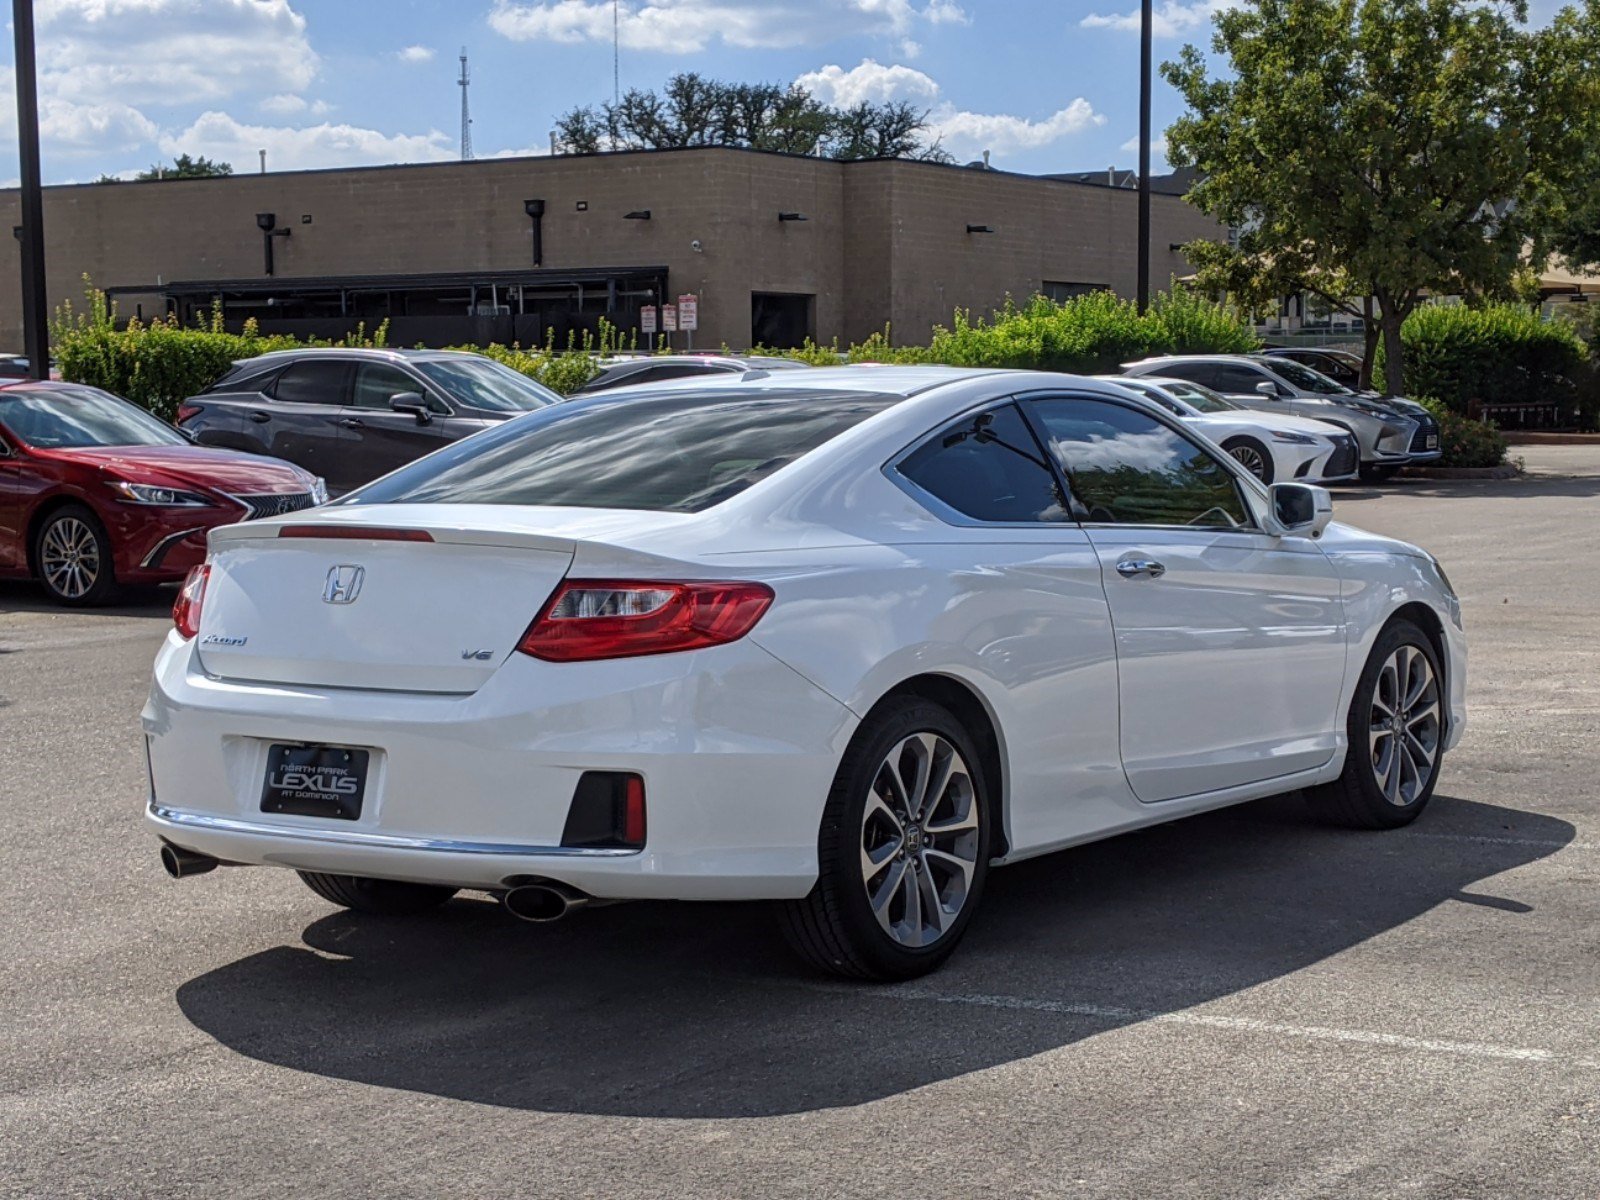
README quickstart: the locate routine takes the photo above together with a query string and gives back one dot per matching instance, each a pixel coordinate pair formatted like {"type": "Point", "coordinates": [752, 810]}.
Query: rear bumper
{"type": "Point", "coordinates": [737, 753]}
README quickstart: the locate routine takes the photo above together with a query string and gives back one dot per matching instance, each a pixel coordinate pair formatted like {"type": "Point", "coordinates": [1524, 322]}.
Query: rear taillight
{"type": "Point", "coordinates": [591, 618]}
{"type": "Point", "coordinates": [185, 411]}
{"type": "Point", "coordinates": [186, 609]}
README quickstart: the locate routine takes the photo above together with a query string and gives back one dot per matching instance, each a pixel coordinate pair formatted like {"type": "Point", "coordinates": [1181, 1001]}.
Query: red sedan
{"type": "Point", "coordinates": [95, 492]}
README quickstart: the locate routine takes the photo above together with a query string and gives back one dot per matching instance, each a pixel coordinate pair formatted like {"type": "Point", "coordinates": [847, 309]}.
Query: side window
{"type": "Point", "coordinates": [1201, 373]}
{"type": "Point", "coordinates": [988, 468]}
{"type": "Point", "coordinates": [1237, 379]}
{"type": "Point", "coordinates": [377, 383]}
{"type": "Point", "coordinates": [314, 381]}
{"type": "Point", "coordinates": [1129, 469]}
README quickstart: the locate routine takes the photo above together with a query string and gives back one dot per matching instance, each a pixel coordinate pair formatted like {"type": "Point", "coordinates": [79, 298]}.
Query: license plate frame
{"type": "Point", "coordinates": [1433, 441]}
{"type": "Point", "coordinates": [314, 780]}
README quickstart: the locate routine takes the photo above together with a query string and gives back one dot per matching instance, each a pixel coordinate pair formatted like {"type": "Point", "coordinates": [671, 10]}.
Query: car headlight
{"type": "Point", "coordinates": [163, 497]}
{"type": "Point", "coordinates": [319, 490]}
{"type": "Point", "coordinates": [1298, 439]}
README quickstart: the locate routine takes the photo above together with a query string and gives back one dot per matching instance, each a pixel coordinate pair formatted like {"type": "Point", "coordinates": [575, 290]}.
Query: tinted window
{"type": "Point", "coordinates": [315, 381]}
{"type": "Point", "coordinates": [1201, 397]}
{"type": "Point", "coordinates": [1305, 378]}
{"type": "Point", "coordinates": [246, 377]}
{"type": "Point", "coordinates": [1129, 469]}
{"type": "Point", "coordinates": [378, 383]}
{"type": "Point", "coordinates": [675, 371]}
{"type": "Point", "coordinates": [485, 384]}
{"type": "Point", "coordinates": [1195, 372]}
{"type": "Point", "coordinates": [1236, 378]}
{"type": "Point", "coordinates": [679, 452]}
{"type": "Point", "coordinates": [990, 468]}
{"type": "Point", "coordinates": [73, 417]}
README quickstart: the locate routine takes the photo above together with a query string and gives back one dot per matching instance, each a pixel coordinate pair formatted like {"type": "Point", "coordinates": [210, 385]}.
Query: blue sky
{"type": "Point", "coordinates": [1046, 85]}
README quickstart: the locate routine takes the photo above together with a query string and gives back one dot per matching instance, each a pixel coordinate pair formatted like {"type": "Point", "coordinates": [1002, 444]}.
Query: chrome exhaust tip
{"type": "Point", "coordinates": [181, 863]}
{"type": "Point", "coordinates": [543, 902]}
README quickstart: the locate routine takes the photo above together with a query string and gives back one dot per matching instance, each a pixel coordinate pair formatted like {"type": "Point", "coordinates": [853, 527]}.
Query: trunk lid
{"type": "Point", "coordinates": [357, 610]}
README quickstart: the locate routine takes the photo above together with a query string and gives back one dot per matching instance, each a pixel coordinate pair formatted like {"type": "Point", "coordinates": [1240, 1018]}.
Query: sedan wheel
{"type": "Point", "coordinates": [1252, 456]}
{"type": "Point", "coordinates": [73, 556]}
{"type": "Point", "coordinates": [1396, 730]}
{"type": "Point", "coordinates": [903, 850]}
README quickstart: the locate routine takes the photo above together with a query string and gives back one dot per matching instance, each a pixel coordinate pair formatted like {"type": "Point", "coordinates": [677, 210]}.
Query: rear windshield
{"type": "Point", "coordinates": [677, 452]}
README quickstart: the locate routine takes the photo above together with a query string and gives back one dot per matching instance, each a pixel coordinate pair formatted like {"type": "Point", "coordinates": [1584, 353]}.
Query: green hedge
{"type": "Point", "coordinates": [1461, 358]}
{"type": "Point", "coordinates": [1465, 442]}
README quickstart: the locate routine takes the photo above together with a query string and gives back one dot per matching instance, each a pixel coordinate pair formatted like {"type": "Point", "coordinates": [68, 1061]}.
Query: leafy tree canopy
{"type": "Point", "coordinates": [1382, 148]}
{"type": "Point", "coordinates": [692, 110]}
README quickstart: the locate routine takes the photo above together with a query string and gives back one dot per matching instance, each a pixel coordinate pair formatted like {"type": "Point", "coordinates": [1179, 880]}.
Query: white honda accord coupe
{"type": "Point", "coordinates": [844, 642]}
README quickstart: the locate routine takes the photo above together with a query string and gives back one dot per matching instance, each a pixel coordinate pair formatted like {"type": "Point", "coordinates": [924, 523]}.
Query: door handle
{"type": "Point", "coordinates": [353, 423]}
{"type": "Point", "coordinates": [260, 418]}
{"type": "Point", "coordinates": [1132, 568]}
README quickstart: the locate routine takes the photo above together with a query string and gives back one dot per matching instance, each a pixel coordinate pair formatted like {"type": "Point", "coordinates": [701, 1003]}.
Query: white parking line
{"type": "Point", "coordinates": [1317, 1033]}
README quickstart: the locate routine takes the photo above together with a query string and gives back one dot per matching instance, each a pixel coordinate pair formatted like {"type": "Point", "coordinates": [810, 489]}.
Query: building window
{"type": "Point", "coordinates": [782, 321]}
{"type": "Point", "coordinates": [1059, 290]}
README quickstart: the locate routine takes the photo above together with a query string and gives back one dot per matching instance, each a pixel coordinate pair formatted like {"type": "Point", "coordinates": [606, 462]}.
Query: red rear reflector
{"type": "Point", "coordinates": [355, 533]}
{"type": "Point", "coordinates": [185, 411]}
{"type": "Point", "coordinates": [186, 608]}
{"type": "Point", "coordinates": [600, 618]}
{"type": "Point", "coordinates": [633, 812]}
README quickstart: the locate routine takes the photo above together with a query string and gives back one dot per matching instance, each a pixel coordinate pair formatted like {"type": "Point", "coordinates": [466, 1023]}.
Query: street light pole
{"type": "Point", "coordinates": [35, 306]}
{"type": "Point", "coordinates": [1144, 154]}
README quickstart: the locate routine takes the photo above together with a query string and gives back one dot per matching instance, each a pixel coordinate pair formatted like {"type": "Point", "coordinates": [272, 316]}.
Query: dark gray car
{"type": "Point", "coordinates": [353, 415]}
{"type": "Point", "coordinates": [654, 368]}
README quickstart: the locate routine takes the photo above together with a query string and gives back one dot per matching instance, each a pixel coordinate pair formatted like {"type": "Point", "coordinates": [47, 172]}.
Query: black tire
{"type": "Point", "coordinates": [382, 897]}
{"type": "Point", "coordinates": [1357, 798]}
{"type": "Point", "coordinates": [1378, 472]}
{"type": "Point", "coordinates": [1251, 455]}
{"type": "Point", "coordinates": [63, 579]}
{"type": "Point", "coordinates": [834, 928]}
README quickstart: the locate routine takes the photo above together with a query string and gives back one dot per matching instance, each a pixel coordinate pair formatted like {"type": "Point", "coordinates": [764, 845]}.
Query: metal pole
{"type": "Point", "coordinates": [35, 305]}
{"type": "Point", "coordinates": [1144, 154]}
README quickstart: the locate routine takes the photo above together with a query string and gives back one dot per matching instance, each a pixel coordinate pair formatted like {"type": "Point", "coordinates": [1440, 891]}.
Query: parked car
{"type": "Point", "coordinates": [1271, 446]}
{"type": "Point", "coordinates": [1389, 438]}
{"type": "Point", "coordinates": [96, 493]}
{"type": "Point", "coordinates": [841, 640]}
{"type": "Point", "coordinates": [631, 371]}
{"type": "Point", "coordinates": [353, 415]}
{"type": "Point", "coordinates": [1340, 366]}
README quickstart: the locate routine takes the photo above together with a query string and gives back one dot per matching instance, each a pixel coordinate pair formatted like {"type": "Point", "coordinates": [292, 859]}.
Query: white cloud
{"type": "Point", "coordinates": [1171, 19]}
{"type": "Point", "coordinates": [682, 26]}
{"type": "Point", "coordinates": [1158, 147]}
{"type": "Point", "coordinates": [415, 54]}
{"type": "Point", "coordinates": [171, 51]}
{"type": "Point", "coordinates": [967, 134]}
{"type": "Point", "coordinates": [218, 135]}
{"type": "Point", "coordinates": [871, 81]}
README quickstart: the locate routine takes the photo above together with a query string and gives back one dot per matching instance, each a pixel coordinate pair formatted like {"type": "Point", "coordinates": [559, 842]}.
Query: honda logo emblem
{"type": "Point", "coordinates": [344, 584]}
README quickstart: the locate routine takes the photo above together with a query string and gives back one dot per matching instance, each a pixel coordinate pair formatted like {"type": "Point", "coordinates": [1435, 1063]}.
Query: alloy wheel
{"type": "Point", "coordinates": [69, 557]}
{"type": "Point", "coordinates": [1251, 459]}
{"type": "Point", "coordinates": [920, 839]}
{"type": "Point", "coordinates": [1405, 727]}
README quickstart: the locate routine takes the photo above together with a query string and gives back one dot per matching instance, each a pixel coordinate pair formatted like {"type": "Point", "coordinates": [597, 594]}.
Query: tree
{"type": "Point", "coordinates": [1398, 147]}
{"type": "Point", "coordinates": [692, 110]}
{"type": "Point", "coordinates": [1573, 212]}
{"type": "Point", "coordinates": [184, 167]}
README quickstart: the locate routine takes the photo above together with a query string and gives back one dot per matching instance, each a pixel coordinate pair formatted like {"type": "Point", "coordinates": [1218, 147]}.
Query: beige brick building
{"type": "Point", "coordinates": [446, 251]}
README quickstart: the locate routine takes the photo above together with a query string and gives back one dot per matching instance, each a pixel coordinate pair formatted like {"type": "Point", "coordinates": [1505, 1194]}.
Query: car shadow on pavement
{"type": "Point", "coordinates": [682, 1010]}
{"type": "Point", "coordinates": [21, 595]}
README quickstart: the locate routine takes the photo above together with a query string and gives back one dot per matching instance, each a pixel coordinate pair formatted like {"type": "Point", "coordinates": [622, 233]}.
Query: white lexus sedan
{"type": "Point", "coordinates": [844, 641]}
{"type": "Point", "coordinates": [1271, 446]}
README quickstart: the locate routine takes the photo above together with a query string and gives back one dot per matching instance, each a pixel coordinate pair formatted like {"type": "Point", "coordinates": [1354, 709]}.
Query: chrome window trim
{"type": "Point", "coordinates": [183, 819]}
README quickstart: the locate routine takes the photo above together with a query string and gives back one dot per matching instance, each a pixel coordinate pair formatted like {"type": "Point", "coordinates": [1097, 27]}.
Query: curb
{"type": "Point", "coordinates": [1550, 439]}
{"type": "Point", "coordinates": [1504, 471]}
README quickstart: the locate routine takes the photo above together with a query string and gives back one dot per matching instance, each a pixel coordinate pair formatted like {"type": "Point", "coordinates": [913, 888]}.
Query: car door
{"type": "Point", "coordinates": [310, 400]}
{"type": "Point", "coordinates": [1019, 598]}
{"type": "Point", "coordinates": [1230, 641]}
{"type": "Point", "coordinates": [14, 489]}
{"type": "Point", "coordinates": [379, 440]}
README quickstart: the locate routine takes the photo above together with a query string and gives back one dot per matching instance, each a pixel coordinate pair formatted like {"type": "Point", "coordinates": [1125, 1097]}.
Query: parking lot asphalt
{"type": "Point", "coordinates": [1240, 1004]}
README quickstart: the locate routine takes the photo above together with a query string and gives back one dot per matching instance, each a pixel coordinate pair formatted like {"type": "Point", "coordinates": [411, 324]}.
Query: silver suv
{"type": "Point", "coordinates": [1391, 433]}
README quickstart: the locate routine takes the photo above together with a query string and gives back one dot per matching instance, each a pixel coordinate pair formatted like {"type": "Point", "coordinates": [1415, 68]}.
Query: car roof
{"type": "Point", "coordinates": [376, 354]}
{"type": "Point", "coordinates": [883, 379]}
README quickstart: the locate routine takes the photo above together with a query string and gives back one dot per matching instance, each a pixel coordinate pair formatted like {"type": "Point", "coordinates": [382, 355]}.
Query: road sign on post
{"type": "Point", "coordinates": [669, 318]}
{"type": "Point", "coordinates": [647, 319]}
{"type": "Point", "coordinates": [689, 312]}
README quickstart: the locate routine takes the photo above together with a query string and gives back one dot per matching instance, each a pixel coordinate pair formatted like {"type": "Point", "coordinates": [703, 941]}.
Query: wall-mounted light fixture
{"type": "Point", "coordinates": [792, 216]}
{"type": "Point", "coordinates": [638, 214]}
{"type": "Point", "coordinates": [535, 211]}
{"type": "Point", "coordinates": [980, 228]}
{"type": "Point", "coordinates": [268, 224]}
{"type": "Point", "coordinates": [1175, 247]}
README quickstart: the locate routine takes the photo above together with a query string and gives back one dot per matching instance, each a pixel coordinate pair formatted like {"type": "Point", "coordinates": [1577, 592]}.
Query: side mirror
{"type": "Point", "coordinates": [1268, 389]}
{"type": "Point", "coordinates": [414, 403]}
{"type": "Point", "coordinates": [1298, 510]}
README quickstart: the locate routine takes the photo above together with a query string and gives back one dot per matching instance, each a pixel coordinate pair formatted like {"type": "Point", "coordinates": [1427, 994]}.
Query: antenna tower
{"type": "Point", "coordinates": [466, 116]}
